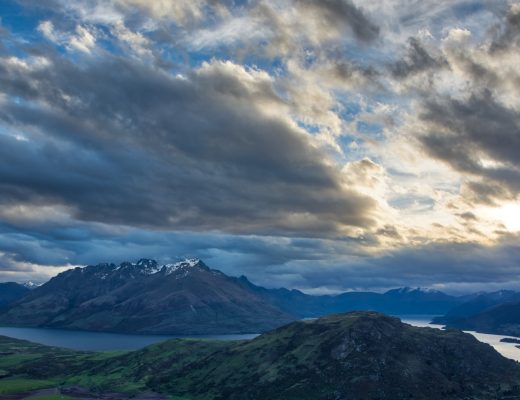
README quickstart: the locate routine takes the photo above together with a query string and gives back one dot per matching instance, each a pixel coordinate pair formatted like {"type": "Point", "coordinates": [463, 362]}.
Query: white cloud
{"type": "Point", "coordinates": [47, 29]}
{"type": "Point", "coordinates": [84, 40]}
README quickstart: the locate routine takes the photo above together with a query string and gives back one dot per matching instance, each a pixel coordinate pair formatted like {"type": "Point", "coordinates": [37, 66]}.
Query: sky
{"type": "Point", "coordinates": [323, 145]}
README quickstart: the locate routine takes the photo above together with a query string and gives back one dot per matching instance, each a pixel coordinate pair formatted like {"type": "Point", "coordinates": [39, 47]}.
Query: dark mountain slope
{"type": "Point", "coordinates": [477, 304]}
{"type": "Point", "coordinates": [348, 356]}
{"type": "Point", "coordinates": [501, 319]}
{"type": "Point", "coordinates": [181, 298]}
{"type": "Point", "coordinates": [10, 292]}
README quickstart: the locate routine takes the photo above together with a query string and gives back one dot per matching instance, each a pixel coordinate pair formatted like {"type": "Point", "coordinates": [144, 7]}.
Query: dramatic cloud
{"type": "Point", "coordinates": [479, 136]}
{"type": "Point", "coordinates": [121, 142]}
{"type": "Point", "coordinates": [340, 14]}
{"type": "Point", "coordinates": [417, 60]}
{"type": "Point", "coordinates": [449, 267]}
{"type": "Point", "coordinates": [476, 127]}
{"type": "Point", "coordinates": [326, 145]}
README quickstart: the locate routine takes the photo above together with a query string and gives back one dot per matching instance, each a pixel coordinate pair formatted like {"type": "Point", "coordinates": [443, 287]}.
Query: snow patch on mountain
{"type": "Point", "coordinates": [185, 264]}
{"type": "Point", "coordinates": [31, 284]}
{"type": "Point", "coordinates": [146, 267]}
{"type": "Point", "coordinates": [407, 290]}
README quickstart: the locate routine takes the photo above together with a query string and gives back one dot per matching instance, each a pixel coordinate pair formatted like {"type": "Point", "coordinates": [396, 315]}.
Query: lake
{"type": "Point", "coordinates": [101, 341]}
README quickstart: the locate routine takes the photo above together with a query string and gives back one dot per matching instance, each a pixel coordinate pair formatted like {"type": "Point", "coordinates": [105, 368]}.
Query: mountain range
{"type": "Point", "coordinates": [352, 356]}
{"type": "Point", "coordinates": [188, 297]}
{"type": "Point", "coordinates": [402, 301]}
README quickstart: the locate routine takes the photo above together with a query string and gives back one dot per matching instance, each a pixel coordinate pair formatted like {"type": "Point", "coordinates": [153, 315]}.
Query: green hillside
{"type": "Point", "coordinates": [358, 355]}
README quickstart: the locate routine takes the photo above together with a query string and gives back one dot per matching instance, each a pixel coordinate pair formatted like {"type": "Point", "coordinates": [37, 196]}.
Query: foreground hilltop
{"type": "Point", "coordinates": [354, 356]}
{"type": "Point", "coordinates": [359, 355]}
{"type": "Point", "coordinates": [186, 297]}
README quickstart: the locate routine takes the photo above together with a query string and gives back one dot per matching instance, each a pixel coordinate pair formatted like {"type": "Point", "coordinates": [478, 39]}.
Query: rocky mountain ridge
{"type": "Point", "coordinates": [186, 297]}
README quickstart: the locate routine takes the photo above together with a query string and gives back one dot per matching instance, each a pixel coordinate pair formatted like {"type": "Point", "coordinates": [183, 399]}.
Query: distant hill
{"type": "Point", "coordinates": [476, 304]}
{"type": "Point", "coordinates": [495, 312]}
{"type": "Point", "coordinates": [402, 301]}
{"type": "Point", "coordinates": [10, 292]}
{"type": "Point", "coordinates": [503, 319]}
{"type": "Point", "coordinates": [354, 356]}
{"type": "Point", "coordinates": [181, 298]}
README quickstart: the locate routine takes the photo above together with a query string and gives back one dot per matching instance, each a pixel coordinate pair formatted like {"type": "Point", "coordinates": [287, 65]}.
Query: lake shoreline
{"type": "Point", "coordinates": [112, 341]}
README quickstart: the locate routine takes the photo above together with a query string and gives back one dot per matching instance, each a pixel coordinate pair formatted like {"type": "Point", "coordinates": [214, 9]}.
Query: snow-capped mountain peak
{"type": "Point", "coordinates": [408, 290]}
{"type": "Point", "coordinates": [148, 267]}
{"type": "Point", "coordinates": [185, 264]}
{"type": "Point", "coordinates": [31, 284]}
{"type": "Point", "coordinates": [145, 266]}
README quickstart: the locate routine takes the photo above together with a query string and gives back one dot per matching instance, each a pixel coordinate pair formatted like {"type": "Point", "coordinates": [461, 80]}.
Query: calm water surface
{"type": "Point", "coordinates": [99, 341]}
{"type": "Point", "coordinates": [508, 350]}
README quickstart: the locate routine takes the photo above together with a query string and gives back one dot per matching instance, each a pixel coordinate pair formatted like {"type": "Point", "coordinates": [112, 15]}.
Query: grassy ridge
{"type": "Point", "coordinates": [27, 366]}
{"type": "Point", "coordinates": [355, 355]}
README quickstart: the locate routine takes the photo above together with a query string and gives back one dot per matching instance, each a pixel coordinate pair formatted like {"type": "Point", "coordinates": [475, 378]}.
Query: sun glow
{"type": "Point", "coordinates": [508, 214]}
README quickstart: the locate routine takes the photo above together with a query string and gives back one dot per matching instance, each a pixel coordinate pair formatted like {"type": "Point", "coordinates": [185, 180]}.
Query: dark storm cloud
{"type": "Point", "coordinates": [486, 191]}
{"type": "Point", "coordinates": [417, 59]}
{"type": "Point", "coordinates": [289, 262]}
{"type": "Point", "coordinates": [125, 143]}
{"type": "Point", "coordinates": [274, 262]}
{"type": "Point", "coordinates": [464, 133]}
{"type": "Point", "coordinates": [337, 15]}
{"type": "Point", "coordinates": [468, 216]}
{"type": "Point", "coordinates": [508, 33]}
{"type": "Point", "coordinates": [448, 266]}
{"type": "Point", "coordinates": [81, 243]}
{"type": "Point", "coordinates": [478, 133]}
{"type": "Point", "coordinates": [343, 14]}
{"type": "Point", "coordinates": [389, 231]}
{"type": "Point", "coordinates": [288, 29]}
{"type": "Point", "coordinates": [346, 71]}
